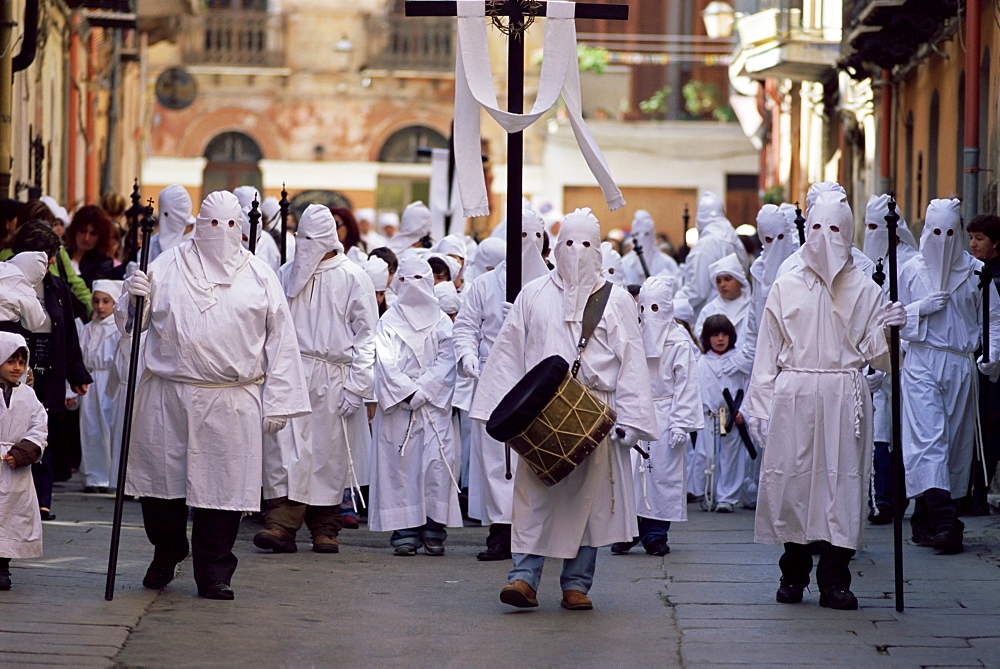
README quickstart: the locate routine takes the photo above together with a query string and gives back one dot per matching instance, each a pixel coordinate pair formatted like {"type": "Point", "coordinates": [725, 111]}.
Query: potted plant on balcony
{"type": "Point", "coordinates": [703, 101]}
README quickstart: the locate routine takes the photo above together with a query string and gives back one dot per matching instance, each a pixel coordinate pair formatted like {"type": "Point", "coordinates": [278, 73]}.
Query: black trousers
{"type": "Point", "coordinates": [934, 511]}
{"type": "Point", "coordinates": [833, 571]}
{"type": "Point", "coordinates": [213, 535]}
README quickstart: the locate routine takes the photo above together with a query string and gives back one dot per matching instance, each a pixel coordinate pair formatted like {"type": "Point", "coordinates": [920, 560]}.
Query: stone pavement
{"type": "Point", "coordinates": [709, 603]}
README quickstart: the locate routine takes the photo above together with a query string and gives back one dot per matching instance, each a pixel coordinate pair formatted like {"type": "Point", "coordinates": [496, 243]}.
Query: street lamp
{"type": "Point", "coordinates": [343, 52]}
{"type": "Point", "coordinates": [718, 17]}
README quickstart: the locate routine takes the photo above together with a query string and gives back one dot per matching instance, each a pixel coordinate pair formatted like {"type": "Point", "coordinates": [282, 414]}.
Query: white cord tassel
{"type": "Point", "coordinates": [642, 474]}
{"type": "Point", "coordinates": [444, 456]}
{"type": "Point", "coordinates": [355, 485]}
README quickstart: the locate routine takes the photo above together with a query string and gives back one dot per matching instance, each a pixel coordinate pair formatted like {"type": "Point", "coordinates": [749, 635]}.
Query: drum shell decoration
{"type": "Point", "coordinates": [566, 431]}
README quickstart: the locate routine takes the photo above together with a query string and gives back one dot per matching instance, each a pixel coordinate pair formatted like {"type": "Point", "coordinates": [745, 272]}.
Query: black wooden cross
{"type": "Point", "coordinates": [516, 11]}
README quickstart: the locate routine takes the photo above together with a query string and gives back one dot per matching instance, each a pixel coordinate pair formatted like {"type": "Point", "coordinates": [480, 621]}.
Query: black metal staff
{"type": "Point", "coordinates": [132, 216]}
{"type": "Point", "coordinates": [800, 223]}
{"type": "Point", "coordinates": [684, 238]}
{"type": "Point", "coordinates": [637, 247]}
{"type": "Point", "coordinates": [140, 306]}
{"type": "Point", "coordinates": [283, 205]}
{"type": "Point", "coordinates": [254, 216]}
{"type": "Point", "coordinates": [898, 491]}
{"type": "Point", "coordinates": [985, 279]}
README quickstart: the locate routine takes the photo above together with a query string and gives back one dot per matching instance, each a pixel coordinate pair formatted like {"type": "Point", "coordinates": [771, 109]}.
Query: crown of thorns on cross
{"type": "Point", "coordinates": [528, 10]}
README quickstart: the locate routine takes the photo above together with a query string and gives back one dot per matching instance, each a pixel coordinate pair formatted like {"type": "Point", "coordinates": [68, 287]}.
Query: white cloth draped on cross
{"type": "Point", "coordinates": [474, 89]}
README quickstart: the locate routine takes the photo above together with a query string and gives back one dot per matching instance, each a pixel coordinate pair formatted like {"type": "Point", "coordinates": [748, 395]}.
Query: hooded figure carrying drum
{"type": "Point", "coordinates": [222, 367]}
{"type": "Point", "coordinates": [595, 504]}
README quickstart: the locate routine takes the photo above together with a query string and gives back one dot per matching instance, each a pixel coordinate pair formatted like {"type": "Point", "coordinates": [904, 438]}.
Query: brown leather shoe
{"type": "Point", "coordinates": [275, 539]}
{"type": "Point", "coordinates": [574, 600]}
{"type": "Point", "coordinates": [325, 544]}
{"type": "Point", "coordinates": [518, 594]}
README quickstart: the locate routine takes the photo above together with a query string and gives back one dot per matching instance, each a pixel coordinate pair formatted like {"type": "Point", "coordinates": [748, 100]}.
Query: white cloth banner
{"type": "Point", "coordinates": [440, 205]}
{"type": "Point", "coordinates": [474, 88]}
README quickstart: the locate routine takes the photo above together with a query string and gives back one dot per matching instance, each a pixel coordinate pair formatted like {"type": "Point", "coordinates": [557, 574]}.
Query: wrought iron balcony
{"type": "Point", "coordinates": [774, 42]}
{"type": "Point", "coordinates": [234, 38]}
{"type": "Point", "coordinates": [887, 33]}
{"type": "Point", "coordinates": [412, 44]}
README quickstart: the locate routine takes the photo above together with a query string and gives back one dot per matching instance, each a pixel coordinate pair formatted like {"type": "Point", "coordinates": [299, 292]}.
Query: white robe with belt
{"type": "Point", "coordinates": [334, 316]}
{"type": "Point", "coordinates": [99, 345]}
{"type": "Point", "coordinates": [939, 399]}
{"type": "Point", "coordinates": [476, 328]}
{"type": "Point", "coordinates": [21, 529]}
{"type": "Point", "coordinates": [414, 483]}
{"type": "Point", "coordinates": [807, 381]}
{"type": "Point", "coordinates": [595, 504]}
{"type": "Point", "coordinates": [219, 358]}
{"type": "Point", "coordinates": [660, 481]}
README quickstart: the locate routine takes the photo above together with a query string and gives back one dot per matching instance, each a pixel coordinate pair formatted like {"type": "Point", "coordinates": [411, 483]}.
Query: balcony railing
{"type": "Point", "coordinates": [411, 43]}
{"type": "Point", "coordinates": [234, 38]}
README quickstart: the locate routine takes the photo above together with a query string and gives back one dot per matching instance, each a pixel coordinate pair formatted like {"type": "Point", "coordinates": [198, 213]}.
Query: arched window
{"type": "Point", "coordinates": [232, 162]}
{"type": "Point", "coordinates": [402, 146]}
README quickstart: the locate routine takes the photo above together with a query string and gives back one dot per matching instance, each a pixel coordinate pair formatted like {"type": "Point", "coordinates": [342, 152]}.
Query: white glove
{"type": "Point", "coordinates": [894, 314]}
{"type": "Point", "coordinates": [932, 304]}
{"type": "Point", "coordinates": [990, 368]}
{"type": "Point", "coordinates": [505, 309]}
{"type": "Point", "coordinates": [349, 402]}
{"type": "Point", "coordinates": [729, 367]}
{"type": "Point", "coordinates": [470, 366]}
{"type": "Point", "coordinates": [758, 429]}
{"type": "Point", "coordinates": [274, 423]}
{"type": "Point", "coordinates": [875, 380]}
{"type": "Point", "coordinates": [137, 284]}
{"type": "Point", "coordinates": [678, 437]}
{"type": "Point", "coordinates": [418, 400]}
{"type": "Point", "coordinates": [630, 438]}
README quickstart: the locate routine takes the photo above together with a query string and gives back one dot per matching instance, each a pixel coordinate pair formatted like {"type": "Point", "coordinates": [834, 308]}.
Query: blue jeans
{"type": "Point", "coordinates": [415, 535]}
{"type": "Point", "coordinates": [577, 573]}
{"type": "Point", "coordinates": [651, 530]}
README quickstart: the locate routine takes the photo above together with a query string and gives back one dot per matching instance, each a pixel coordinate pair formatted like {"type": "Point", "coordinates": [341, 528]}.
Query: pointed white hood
{"type": "Point", "coordinates": [578, 261]}
{"type": "Point", "coordinates": [822, 187]}
{"type": "Point", "coordinates": [174, 206]}
{"type": "Point", "coordinates": [941, 244]}
{"type": "Point", "coordinates": [644, 232]}
{"type": "Point", "coordinates": [710, 211]}
{"type": "Point", "coordinates": [447, 296]}
{"type": "Point", "coordinates": [33, 265]}
{"type": "Point", "coordinates": [217, 237]}
{"type": "Point", "coordinates": [417, 303]}
{"type": "Point", "coordinates": [378, 271]}
{"type": "Point", "coordinates": [611, 265]}
{"type": "Point", "coordinates": [829, 235]}
{"type": "Point", "coordinates": [656, 312]}
{"type": "Point", "coordinates": [532, 263]}
{"type": "Point", "coordinates": [489, 254]}
{"type": "Point", "coordinates": [413, 226]}
{"type": "Point", "coordinates": [270, 210]}
{"type": "Point", "coordinates": [777, 239]}
{"type": "Point", "coordinates": [876, 243]}
{"type": "Point", "coordinates": [315, 237]}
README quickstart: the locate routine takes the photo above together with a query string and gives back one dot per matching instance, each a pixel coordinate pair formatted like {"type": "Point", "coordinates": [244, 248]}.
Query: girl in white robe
{"type": "Point", "coordinates": [673, 370]}
{"type": "Point", "coordinates": [99, 345]}
{"type": "Point", "coordinates": [308, 465]}
{"type": "Point", "coordinates": [717, 373]}
{"type": "Point", "coordinates": [413, 488]}
{"type": "Point", "coordinates": [23, 436]}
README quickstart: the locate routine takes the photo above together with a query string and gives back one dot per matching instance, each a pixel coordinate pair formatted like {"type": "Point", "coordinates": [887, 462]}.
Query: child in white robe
{"type": "Point", "coordinates": [99, 344]}
{"type": "Point", "coordinates": [23, 435]}
{"type": "Point", "coordinates": [719, 340]}
{"type": "Point", "coordinates": [673, 370]}
{"type": "Point", "coordinates": [413, 489]}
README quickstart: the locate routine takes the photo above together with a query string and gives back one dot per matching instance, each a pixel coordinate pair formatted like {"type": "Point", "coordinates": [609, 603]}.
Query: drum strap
{"type": "Point", "coordinates": [592, 313]}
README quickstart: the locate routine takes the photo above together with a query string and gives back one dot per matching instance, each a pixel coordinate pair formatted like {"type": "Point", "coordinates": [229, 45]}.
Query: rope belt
{"type": "Point", "coordinates": [858, 382]}
{"type": "Point", "coordinates": [232, 384]}
{"type": "Point", "coordinates": [942, 349]}
{"type": "Point", "coordinates": [329, 362]}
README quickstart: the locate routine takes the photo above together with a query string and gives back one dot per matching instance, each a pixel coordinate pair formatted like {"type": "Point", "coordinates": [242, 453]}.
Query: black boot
{"type": "Point", "coordinates": [497, 544]}
{"type": "Point", "coordinates": [795, 564]}
{"type": "Point", "coordinates": [833, 575]}
{"type": "Point", "coordinates": [622, 547]}
{"type": "Point", "coordinates": [789, 592]}
{"type": "Point", "coordinates": [946, 533]}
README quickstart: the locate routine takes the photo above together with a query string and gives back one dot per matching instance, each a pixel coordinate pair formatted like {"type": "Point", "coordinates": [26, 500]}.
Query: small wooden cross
{"type": "Point", "coordinates": [517, 11]}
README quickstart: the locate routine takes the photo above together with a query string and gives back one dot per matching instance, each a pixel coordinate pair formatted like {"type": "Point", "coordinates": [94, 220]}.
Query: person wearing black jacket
{"type": "Point", "coordinates": [55, 354]}
{"type": "Point", "coordinates": [89, 242]}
